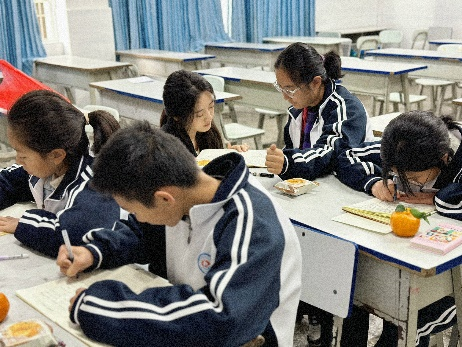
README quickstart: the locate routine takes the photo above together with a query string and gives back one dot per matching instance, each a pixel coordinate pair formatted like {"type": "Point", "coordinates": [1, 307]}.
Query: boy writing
{"type": "Point", "coordinates": [231, 254]}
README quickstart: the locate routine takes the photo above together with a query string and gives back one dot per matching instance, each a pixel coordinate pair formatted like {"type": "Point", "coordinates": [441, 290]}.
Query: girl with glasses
{"type": "Point", "coordinates": [418, 160]}
{"type": "Point", "coordinates": [324, 119]}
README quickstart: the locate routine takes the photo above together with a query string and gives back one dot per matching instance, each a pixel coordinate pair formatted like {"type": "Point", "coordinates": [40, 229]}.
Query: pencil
{"type": "Point", "coordinates": [16, 256]}
{"type": "Point", "coordinates": [67, 242]}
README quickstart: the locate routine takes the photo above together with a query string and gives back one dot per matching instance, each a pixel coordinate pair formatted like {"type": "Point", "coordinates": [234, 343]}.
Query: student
{"type": "Point", "coordinates": [424, 154]}
{"type": "Point", "coordinates": [324, 119]}
{"type": "Point", "coordinates": [53, 167]}
{"type": "Point", "coordinates": [230, 252]}
{"type": "Point", "coordinates": [189, 102]}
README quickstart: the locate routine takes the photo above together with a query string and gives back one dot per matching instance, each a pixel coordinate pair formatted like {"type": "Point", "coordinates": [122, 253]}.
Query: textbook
{"type": "Point", "coordinates": [374, 214]}
{"type": "Point", "coordinates": [440, 239]}
{"type": "Point", "coordinates": [253, 157]}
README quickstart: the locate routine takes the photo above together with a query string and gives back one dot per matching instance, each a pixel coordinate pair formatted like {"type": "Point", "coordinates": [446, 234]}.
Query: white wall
{"type": "Point", "coordinates": [396, 14]}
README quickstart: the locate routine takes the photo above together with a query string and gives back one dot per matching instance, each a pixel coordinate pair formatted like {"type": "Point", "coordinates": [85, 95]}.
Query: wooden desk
{"type": "Point", "coordinates": [256, 88]}
{"type": "Point", "coordinates": [162, 63]}
{"type": "Point", "coordinates": [245, 54]}
{"type": "Point", "coordinates": [392, 279]}
{"type": "Point", "coordinates": [440, 65]}
{"type": "Point", "coordinates": [142, 101]}
{"type": "Point", "coordinates": [375, 78]}
{"type": "Point", "coordinates": [68, 72]}
{"type": "Point", "coordinates": [321, 44]}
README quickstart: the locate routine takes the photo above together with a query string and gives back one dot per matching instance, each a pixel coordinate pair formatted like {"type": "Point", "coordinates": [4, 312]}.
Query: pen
{"type": "Point", "coordinates": [67, 242]}
{"type": "Point", "coordinates": [395, 193]}
{"type": "Point", "coordinates": [17, 256]}
{"type": "Point", "coordinates": [263, 174]}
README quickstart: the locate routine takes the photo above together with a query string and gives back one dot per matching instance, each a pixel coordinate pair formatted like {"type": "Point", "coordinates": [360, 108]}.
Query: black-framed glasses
{"type": "Point", "coordinates": [288, 92]}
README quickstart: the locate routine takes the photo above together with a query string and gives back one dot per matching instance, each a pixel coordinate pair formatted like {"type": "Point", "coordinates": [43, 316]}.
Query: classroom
{"type": "Point", "coordinates": [389, 62]}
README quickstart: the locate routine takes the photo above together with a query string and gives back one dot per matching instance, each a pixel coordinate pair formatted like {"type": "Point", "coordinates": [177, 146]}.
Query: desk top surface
{"type": "Point", "coordinates": [79, 63]}
{"type": "Point", "coordinates": [263, 47]}
{"type": "Point", "coordinates": [319, 40]}
{"type": "Point", "coordinates": [164, 55]}
{"type": "Point", "coordinates": [359, 30]}
{"type": "Point", "coordinates": [148, 89]}
{"type": "Point", "coordinates": [317, 208]}
{"type": "Point", "coordinates": [416, 54]}
{"type": "Point", "coordinates": [352, 64]}
{"type": "Point", "coordinates": [445, 41]}
{"type": "Point", "coordinates": [241, 74]}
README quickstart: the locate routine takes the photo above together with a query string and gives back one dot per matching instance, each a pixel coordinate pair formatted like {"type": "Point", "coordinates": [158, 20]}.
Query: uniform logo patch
{"type": "Point", "coordinates": [204, 261]}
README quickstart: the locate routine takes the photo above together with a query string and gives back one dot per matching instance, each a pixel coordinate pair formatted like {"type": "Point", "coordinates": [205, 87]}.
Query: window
{"type": "Point", "coordinates": [45, 10]}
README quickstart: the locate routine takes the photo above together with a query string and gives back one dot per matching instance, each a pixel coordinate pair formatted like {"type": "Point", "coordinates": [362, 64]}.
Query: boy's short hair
{"type": "Point", "coordinates": [139, 160]}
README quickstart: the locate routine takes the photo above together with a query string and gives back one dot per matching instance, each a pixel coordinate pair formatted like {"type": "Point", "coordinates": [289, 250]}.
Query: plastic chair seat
{"type": "Point", "coordinates": [396, 99]}
{"type": "Point", "coordinates": [236, 132]}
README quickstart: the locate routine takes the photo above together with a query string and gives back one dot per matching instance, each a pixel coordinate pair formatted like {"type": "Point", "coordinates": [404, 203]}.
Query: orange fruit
{"type": "Point", "coordinates": [4, 306]}
{"type": "Point", "coordinates": [404, 223]}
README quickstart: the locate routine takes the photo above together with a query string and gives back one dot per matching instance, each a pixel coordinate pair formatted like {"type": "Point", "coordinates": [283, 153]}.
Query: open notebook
{"type": "Point", "coordinates": [374, 214]}
{"type": "Point", "coordinates": [52, 298]}
{"type": "Point", "coordinates": [253, 157]}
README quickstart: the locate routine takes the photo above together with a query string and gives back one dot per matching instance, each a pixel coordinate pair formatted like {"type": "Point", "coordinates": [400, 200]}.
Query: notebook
{"type": "Point", "coordinates": [374, 214]}
{"type": "Point", "coordinates": [253, 157]}
{"type": "Point", "coordinates": [440, 239]}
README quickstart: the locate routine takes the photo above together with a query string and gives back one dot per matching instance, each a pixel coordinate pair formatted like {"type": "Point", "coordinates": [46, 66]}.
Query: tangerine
{"type": "Point", "coordinates": [403, 223]}
{"type": "Point", "coordinates": [4, 306]}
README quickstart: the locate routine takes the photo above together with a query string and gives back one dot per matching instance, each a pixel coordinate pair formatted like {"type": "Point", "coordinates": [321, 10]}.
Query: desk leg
{"type": "Point", "coordinates": [457, 286]}
{"type": "Point", "coordinates": [405, 86]}
{"type": "Point", "coordinates": [409, 328]}
{"type": "Point", "coordinates": [337, 334]}
{"type": "Point", "coordinates": [386, 101]}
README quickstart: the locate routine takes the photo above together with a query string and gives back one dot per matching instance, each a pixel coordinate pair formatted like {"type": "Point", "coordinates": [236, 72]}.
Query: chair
{"type": "Point", "coordinates": [234, 132]}
{"type": "Point", "coordinates": [396, 99]}
{"type": "Point", "coordinates": [419, 39]}
{"type": "Point", "coordinates": [390, 38]}
{"type": "Point", "coordinates": [281, 119]}
{"type": "Point", "coordinates": [458, 105]}
{"type": "Point", "coordinates": [364, 43]}
{"type": "Point", "coordinates": [438, 87]}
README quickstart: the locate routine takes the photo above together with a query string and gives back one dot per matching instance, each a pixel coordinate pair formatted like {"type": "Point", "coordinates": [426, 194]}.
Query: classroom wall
{"type": "Point", "coordinates": [395, 14]}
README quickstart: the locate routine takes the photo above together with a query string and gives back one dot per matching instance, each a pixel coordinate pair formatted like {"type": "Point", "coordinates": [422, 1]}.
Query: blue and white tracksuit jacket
{"type": "Point", "coordinates": [360, 168]}
{"type": "Point", "coordinates": [73, 205]}
{"type": "Point", "coordinates": [235, 266]}
{"type": "Point", "coordinates": [342, 123]}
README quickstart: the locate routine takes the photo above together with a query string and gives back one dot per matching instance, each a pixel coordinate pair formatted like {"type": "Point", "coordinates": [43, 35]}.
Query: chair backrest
{"type": "Point", "coordinates": [436, 33]}
{"type": "Point", "coordinates": [329, 34]}
{"type": "Point", "coordinates": [419, 39]}
{"type": "Point", "coordinates": [217, 82]}
{"type": "Point", "coordinates": [450, 48]}
{"type": "Point", "coordinates": [364, 43]}
{"type": "Point", "coordinates": [390, 38]}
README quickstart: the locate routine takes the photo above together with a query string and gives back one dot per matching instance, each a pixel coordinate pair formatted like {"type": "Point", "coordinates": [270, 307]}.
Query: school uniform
{"type": "Point", "coordinates": [235, 266]}
{"type": "Point", "coordinates": [72, 205]}
{"type": "Point", "coordinates": [340, 121]}
{"type": "Point", "coordinates": [360, 168]}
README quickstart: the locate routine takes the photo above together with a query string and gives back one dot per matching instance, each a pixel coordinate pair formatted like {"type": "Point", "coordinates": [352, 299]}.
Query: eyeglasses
{"type": "Point", "coordinates": [289, 93]}
{"type": "Point", "coordinates": [420, 186]}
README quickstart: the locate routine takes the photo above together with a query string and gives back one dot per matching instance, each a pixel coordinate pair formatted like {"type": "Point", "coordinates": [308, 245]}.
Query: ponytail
{"type": "Point", "coordinates": [104, 125]}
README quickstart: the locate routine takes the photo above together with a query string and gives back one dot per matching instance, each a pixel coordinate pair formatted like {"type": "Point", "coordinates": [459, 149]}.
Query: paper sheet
{"type": "Point", "coordinates": [52, 298]}
{"type": "Point", "coordinates": [253, 157]}
{"type": "Point", "coordinates": [17, 210]}
{"type": "Point", "coordinates": [376, 205]}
